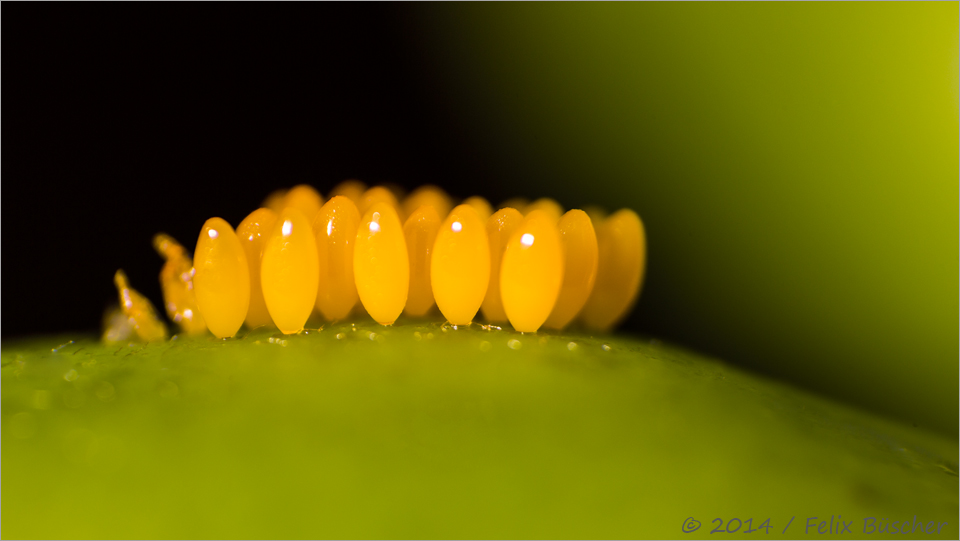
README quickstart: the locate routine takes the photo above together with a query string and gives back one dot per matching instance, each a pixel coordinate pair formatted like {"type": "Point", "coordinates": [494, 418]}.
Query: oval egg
{"type": "Point", "coordinates": [531, 271]}
{"type": "Point", "coordinates": [622, 254]}
{"type": "Point", "coordinates": [460, 266]}
{"type": "Point", "coordinates": [253, 233]}
{"type": "Point", "coordinates": [222, 279]}
{"type": "Point", "coordinates": [381, 264]}
{"type": "Point", "coordinates": [420, 233]}
{"type": "Point", "coordinates": [335, 229]}
{"type": "Point", "coordinates": [289, 271]}
{"type": "Point", "coordinates": [579, 269]}
{"type": "Point", "coordinates": [500, 227]}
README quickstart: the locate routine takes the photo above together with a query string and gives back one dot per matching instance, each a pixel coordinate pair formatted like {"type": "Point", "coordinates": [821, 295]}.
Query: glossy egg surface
{"type": "Point", "coordinates": [289, 271]}
{"type": "Point", "coordinates": [222, 279]}
{"type": "Point", "coordinates": [381, 264]}
{"type": "Point", "coordinates": [531, 271]}
{"type": "Point", "coordinates": [253, 233]}
{"type": "Point", "coordinates": [335, 229]}
{"type": "Point", "coordinates": [460, 266]}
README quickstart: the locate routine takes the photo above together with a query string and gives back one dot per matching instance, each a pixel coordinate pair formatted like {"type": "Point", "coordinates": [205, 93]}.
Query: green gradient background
{"type": "Point", "coordinates": [796, 165]}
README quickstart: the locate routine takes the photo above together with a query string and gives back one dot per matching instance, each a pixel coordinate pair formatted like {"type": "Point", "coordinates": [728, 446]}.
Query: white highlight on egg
{"type": "Point", "coordinates": [212, 233]}
{"type": "Point", "coordinates": [374, 227]}
{"type": "Point", "coordinates": [526, 239]}
{"type": "Point", "coordinates": [456, 227]}
{"type": "Point", "coordinates": [329, 228]}
{"type": "Point", "coordinates": [287, 228]}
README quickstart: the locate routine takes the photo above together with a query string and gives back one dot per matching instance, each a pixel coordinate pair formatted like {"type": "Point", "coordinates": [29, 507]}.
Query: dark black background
{"type": "Point", "coordinates": [127, 120]}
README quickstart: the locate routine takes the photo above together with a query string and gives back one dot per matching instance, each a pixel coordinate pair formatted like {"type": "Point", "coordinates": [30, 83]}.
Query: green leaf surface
{"type": "Point", "coordinates": [421, 430]}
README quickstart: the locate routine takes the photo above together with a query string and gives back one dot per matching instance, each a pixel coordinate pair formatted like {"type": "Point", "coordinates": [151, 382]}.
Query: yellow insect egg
{"type": "Point", "coordinates": [305, 199]}
{"type": "Point", "coordinates": [253, 232]}
{"type": "Point", "coordinates": [427, 195]}
{"type": "Point", "coordinates": [222, 279]}
{"type": "Point", "coordinates": [420, 232]}
{"type": "Point", "coordinates": [377, 194]}
{"type": "Point", "coordinates": [579, 267]}
{"type": "Point", "coordinates": [550, 206]}
{"type": "Point", "coordinates": [500, 228]}
{"type": "Point", "coordinates": [519, 203]}
{"type": "Point", "coordinates": [290, 271]}
{"type": "Point", "coordinates": [335, 229]}
{"type": "Point", "coordinates": [622, 252]}
{"type": "Point", "coordinates": [351, 189]}
{"type": "Point", "coordinates": [176, 281]}
{"type": "Point", "coordinates": [274, 201]}
{"type": "Point", "coordinates": [460, 266]}
{"type": "Point", "coordinates": [381, 265]}
{"type": "Point", "coordinates": [139, 311]}
{"type": "Point", "coordinates": [481, 205]}
{"type": "Point", "coordinates": [532, 271]}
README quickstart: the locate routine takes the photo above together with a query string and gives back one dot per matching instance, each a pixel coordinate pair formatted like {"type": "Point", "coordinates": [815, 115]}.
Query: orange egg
{"type": "Point", "coordinates": [222, 279]}
{"type": "Point", "coordinates": [381, 264]}
{"type": "Point", "coordinates": [253, 233]}
{"type": "Point", "coordinates": [531, 272]}
{"type": "Point", "coordinates": [500, 228]}
{"type": "Point", "coordinates": [460, 266]}
{"type": "Point", "coordinates": [420, 232]}
{"type": "Point", "coordinates": [289, 271]}
{"type": "Point", "coordinates": [622, 250]}
{"type": "Point", "coordinates": [579, 268]}
{"type": "Point", "coordinates": [335, 229]}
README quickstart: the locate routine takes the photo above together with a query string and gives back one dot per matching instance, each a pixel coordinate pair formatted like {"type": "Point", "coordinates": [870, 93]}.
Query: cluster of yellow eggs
{"type": "Point", "coordinates": [529, 264]}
